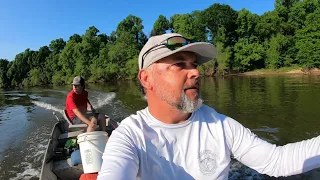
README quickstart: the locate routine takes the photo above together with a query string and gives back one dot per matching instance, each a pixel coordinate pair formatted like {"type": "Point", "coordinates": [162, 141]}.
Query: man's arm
{"type": "Point", "coordinates": [120, 157]}
{"type": "Point", "coordinates": [89, 105]}
{"type": "Point", "coordinates": [81, 116]}
{"type": "Point", "coordinates": [266, 158]}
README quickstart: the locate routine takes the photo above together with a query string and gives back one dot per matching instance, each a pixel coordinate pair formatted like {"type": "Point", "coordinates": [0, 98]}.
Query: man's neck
{"type": "Point", "coordinates": [167, 113]}
{"type": "Point", "coordinates": [77, 92]}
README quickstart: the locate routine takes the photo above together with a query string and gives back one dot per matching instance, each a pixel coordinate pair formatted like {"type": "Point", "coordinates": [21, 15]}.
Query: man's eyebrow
{"type": "Point", "coordinates": [183, 58]}
{"type": "Point", "coordinates": [178, 57]}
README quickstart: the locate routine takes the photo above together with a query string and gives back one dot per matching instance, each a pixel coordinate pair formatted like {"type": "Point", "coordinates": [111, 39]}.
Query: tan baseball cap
{"type": "Point", "coordinates": [77, 80]}
{"type": "Point", "coordinates": [204, 51]}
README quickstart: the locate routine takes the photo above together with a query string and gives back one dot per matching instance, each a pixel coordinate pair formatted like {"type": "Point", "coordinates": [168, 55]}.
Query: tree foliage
{"type": "Point", "coordinates": [160, 26]}
{"type": "Point", "coordinates": [287, 36]}
{"type": "Point", "coordinates": [308, 41]}
{"type": "Point", "coordinates": [188, 25]}
{"type": "Point", "coordinates": [4, 80]}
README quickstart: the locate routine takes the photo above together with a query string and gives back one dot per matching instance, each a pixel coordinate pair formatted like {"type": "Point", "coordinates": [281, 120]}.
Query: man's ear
{"type": "Point", "coordinates": [145, 78]}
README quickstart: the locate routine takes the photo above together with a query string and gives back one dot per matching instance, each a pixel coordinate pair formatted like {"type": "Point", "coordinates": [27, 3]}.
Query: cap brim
{"type": "Point", "coordinates": [75, 83]}
{"type": "Point", "coordinates": [205, 51]}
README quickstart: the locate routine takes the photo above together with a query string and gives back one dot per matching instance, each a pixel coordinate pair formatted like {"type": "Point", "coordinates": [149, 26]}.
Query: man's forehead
{"type": "Point", "coordinates": [184, 55]}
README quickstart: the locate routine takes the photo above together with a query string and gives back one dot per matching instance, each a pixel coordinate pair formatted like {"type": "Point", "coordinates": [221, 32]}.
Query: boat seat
{"type": "Point", "coordinates": [80, 126]}
{"type": "Point", "coordinates": [70, 125]}
{"type": "Point", "coordinates": [70, 134]}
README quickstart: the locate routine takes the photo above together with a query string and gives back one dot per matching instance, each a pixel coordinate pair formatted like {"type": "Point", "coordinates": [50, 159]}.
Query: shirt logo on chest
{"type": "Point", "coordinates": [207, 162]}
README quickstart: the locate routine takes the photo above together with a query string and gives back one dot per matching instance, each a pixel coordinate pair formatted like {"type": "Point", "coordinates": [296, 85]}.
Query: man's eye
{"type": "Point", "coordinates": [180, 64]}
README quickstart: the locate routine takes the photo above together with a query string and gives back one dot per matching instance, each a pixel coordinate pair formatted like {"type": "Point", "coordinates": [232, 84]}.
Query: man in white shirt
{"type": "Point", "coordinates": [178, 137]}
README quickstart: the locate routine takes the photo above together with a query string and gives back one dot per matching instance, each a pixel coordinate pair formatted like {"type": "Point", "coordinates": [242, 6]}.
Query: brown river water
{"type": "Point", "coordinates": [279, 109]}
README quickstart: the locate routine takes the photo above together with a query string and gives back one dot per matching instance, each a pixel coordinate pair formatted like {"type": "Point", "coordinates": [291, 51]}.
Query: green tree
{"type": "Point", "coordinates": [131, 68]}
{"type": "Point", "coordinates": [76, 37]}
{"type": "Point", "coordinates": [223, 59]}
{"type": "Point", "coordinates": [56, 46]}
{"type": "Point", "coordinates": [160, 26]}
{"type": "Point", "coordinates": [21, 66]}
{"type": "Point", "coordinates": [188, 26]}
{"type": "Point", "coordinates": [308, 41]}
{"type": "Point", "coordinates": [286, 36]}
{"type": "Point", "coordinates": [51, 67]}
{"type": "Point", "coordinates": [42, 54]}
{"type": "Point", "coordinates": [4, 81]}
{"type": "Point", "coordinates": [248, 56]}
{"type": "Point", "coordinates": [217, 18]}
{"type": "Point", "coordinates": [133, 25]}
{"type": "Point", "coordinates": [85, 52]}
{"type": "Point", "coordinates": [35, 77]}
{"type": "Point", "coordinates": [103, 39]}
{"type": "Point", "coordinates": [299, 12]}
{"type": "Point", "coordinates": [268, 25]}
{"type": "Point", "coordinates": [278, 54]}
{"type": "Point", "coordinates": [283, 7]}
{"type": "Point", "coordinates": [67, 58]}
{"type": "Point", "coordinates": [246, 23]}
{"type": "Point", "coordinates": [124, 48]}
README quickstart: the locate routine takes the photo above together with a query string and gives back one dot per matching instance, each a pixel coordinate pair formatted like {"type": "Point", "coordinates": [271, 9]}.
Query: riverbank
{"type": "Point", "coordinates": [282, 71]}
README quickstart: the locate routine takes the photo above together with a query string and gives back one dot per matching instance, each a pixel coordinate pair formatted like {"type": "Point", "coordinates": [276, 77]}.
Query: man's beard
{"type": "Point", "coordinates": [184, 104]}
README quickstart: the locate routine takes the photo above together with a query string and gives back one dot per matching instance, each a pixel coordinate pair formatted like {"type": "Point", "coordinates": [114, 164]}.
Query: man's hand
{"type": "Point", "coordinates": [93, 123]}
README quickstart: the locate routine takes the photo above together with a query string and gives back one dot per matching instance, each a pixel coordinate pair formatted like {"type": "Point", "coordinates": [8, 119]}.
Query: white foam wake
{"type": "Point", "coordinates": [103, 101]}
{"type": "Point", "coordinates": [47, 106]}
{"type": "Point", "coordinates": [28, 172]}
{"type": "Point", "coordinates": [99, 99]}
{"type": "Point", "coordinates": [266, 129]}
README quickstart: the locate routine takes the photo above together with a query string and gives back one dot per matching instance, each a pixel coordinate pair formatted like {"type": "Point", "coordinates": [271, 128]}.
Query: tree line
{"type": "Point", "coordinates": [285, 37]}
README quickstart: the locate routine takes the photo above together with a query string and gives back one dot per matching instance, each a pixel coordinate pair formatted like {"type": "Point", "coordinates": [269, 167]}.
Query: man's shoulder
{"type": "Point", "coordinates": [136, 119]}
{"type": "Point", "coordinates": [71, 93]}
{"type": "Point", "coordinates": [132, 125]}
{"type": "Point", "coordinates": [142, 116]}
{"type": "Point", "coordinates": [207, 109]}
{"type": "Point", "coordinates": [209, 113]}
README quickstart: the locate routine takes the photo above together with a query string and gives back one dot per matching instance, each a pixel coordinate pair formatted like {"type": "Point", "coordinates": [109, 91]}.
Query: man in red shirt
{"type": "Point", "coordinates": [77, 104]}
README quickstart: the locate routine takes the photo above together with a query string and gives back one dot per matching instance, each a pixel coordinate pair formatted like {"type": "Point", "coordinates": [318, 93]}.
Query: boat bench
{"type": "Point", "coordinates": [70, 134]}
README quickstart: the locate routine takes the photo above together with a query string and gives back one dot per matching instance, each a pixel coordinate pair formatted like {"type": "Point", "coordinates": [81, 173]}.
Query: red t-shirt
{"type": "Point", "coordinates": [74, 101]}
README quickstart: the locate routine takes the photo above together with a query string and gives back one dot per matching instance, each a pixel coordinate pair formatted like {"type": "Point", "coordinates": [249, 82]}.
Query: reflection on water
{"type": "Point", "coordinates": [279, 109]}
{"type": "Point", "coordinates": [11, 128]}
{"type": "Point", "coordinates": [286, 103]}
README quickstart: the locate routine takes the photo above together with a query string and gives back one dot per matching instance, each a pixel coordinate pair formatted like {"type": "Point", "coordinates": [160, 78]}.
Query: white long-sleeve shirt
{"type": "Point", "coordinates": [143, 147]}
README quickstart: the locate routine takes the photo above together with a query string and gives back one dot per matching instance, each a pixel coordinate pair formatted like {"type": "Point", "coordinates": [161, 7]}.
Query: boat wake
{"type": "Point", "coordinates": [99, 99]}
{"type": "Point", "coordinates": [28, 173]}
{"type": "Point", "coordinates": [270, 132]}
{"type": "Point", "coordinates": [240, 171]}
{"type": "Point", "coordinates": [47, 106]}
{"type": "Point", "coordinates": [29, 155]}
{"type": "Point", "coordinates": [266, 129]}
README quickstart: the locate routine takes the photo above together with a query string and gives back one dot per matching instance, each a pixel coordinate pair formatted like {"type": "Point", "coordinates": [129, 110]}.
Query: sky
{"type": "Point", "coordinates": [34, 23]}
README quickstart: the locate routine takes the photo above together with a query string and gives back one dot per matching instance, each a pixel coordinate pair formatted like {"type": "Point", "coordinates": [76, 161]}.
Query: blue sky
{"type": "Point", "coordinates": [34, 23]}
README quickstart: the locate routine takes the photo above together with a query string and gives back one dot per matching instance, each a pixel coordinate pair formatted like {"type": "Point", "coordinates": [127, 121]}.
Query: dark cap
{"type": "Point", "coordinates": [77, 80]}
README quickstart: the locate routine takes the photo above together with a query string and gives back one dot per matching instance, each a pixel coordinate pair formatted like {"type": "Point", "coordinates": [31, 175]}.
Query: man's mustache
{"type": "Point", "coordinates": [194, 85]}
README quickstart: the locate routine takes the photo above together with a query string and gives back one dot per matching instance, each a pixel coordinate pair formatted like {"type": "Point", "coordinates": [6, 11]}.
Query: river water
{"type": "Point", "coordinates": [279, 109]}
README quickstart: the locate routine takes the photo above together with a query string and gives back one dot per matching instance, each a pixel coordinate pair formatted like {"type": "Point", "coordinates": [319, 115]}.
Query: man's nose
{"type": "Point", "coordinates": [193, 73]}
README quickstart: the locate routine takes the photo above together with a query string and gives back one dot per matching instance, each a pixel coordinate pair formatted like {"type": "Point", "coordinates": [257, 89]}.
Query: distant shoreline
{"type": "Point", "coordinates": [298, 71]}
